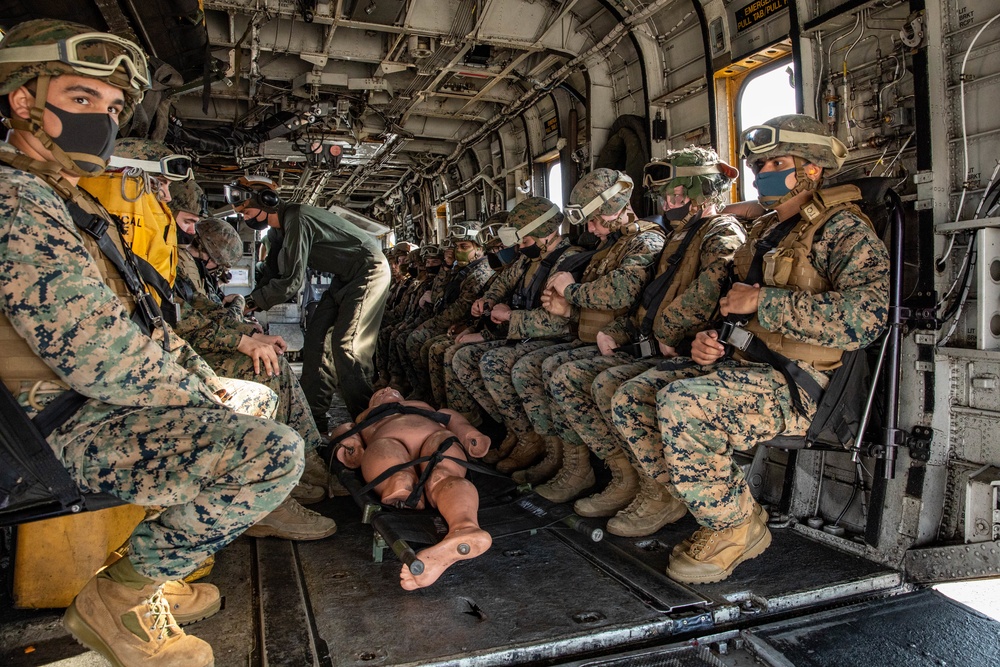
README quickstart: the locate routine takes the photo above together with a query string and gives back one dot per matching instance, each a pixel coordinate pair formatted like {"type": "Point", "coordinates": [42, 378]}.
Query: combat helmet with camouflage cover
{"type": "Point", "coordinates": [401, 249]}
{"type": "Point", "coordinates": [804, 138]}
{"type": "Point", "coordinates": [602, 192]}
{"type": "Point", "coordinates": [219, 240]}
{"type": "Point", "coordinates": [703, 175]}
{"type": "Point", "coordinates": [537, 217]}
{"type": "Point", "coordinates": [43, 49]}
{"type": "Point", "coordinates": [186, 196]}
{"type": "Point", "coordinates": [465, 231]}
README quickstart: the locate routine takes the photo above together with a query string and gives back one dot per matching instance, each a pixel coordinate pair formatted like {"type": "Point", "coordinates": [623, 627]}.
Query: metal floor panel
{"type": "Point", "coordinates": [923, 629]}
{"type": "Point", "coordinates": [534, 596]}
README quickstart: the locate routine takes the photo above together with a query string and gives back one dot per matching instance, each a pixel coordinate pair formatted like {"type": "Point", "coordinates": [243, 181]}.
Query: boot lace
{"type": "Point", "coordinates": [701, 539]}
{"type": "Point", "coordinates": [297, 508]}
{"type": "Point", "coordinates": [161, 620]}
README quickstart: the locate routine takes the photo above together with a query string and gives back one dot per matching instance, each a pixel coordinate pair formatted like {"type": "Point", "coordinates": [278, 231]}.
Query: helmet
{"type": "Point", "coordinates": [804, 138]}
{"type": "Point", "coordinates": [498, 218]}
{"type": "Point", "coordinates": [466, 231]}
{"type": "Point", "coordinates": [258, 192]}
{"type": "Point", "coordinates": [431, 251]}
{"type": "Point", "coordinates": [186, 196]}
{"type": "Point", "coordinates": [219, 241]}
{"type": "Point", "coordinates": [152, 157]}
{"type": "Point", "coordinates": [401, 249]}
{"type": "Point", "coordinates": [535, 216]}
{"type": "Point", "coordinates": [51, 47]}
{"type": "Point", "coordinates": [699, 171]}
{"type": "Point", "coordinates": [47, 48]}
{"type": "Point", "coordinates": [601, 192]}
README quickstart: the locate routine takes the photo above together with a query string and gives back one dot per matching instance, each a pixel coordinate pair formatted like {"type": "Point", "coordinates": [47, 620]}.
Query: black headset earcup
{"type": "Point", "coordinates": [269, 199]}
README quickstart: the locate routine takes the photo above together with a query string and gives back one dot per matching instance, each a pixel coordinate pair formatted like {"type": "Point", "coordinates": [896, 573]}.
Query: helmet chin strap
{"type": "Point", "coordinates": [802, 184]}
{"type": "Point", "coordinates": [35, 127]}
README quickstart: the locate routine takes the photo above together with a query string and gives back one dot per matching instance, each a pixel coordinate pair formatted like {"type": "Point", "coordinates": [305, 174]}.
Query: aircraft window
{"type": "Point", "coordinates": [553, 182]}
{"type": "Point", "coordinates": [763, 96]}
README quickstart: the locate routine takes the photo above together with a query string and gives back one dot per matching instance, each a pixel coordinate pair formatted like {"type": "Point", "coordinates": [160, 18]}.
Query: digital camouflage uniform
{"type": "Point", "coordinates": [152, 433]}
{"type": "Point", "coordinates": [215, 335]}
{"type": "Point", "coordinates": [572, 386]}
{"type": "Point", "coordinates": [733, 405]}
{"type": "Point", "coordinates": [471, 280]}
{"type": "Point", "coordinates": [606, 288]}
{"type": "Point", "coordinates": [528, 330]}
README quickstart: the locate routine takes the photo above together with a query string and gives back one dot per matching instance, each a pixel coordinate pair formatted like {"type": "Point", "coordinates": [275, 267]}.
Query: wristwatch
{"type": "Point", "coordinates": [251, 305]}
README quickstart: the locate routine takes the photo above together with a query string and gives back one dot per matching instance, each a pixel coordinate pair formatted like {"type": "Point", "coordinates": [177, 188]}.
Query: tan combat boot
{"type": "Point", "coordinates": [527, 450]}
{"type": "Point", "coordinates": [617, 495]}
{"type": "Point", "coordinates": [652, 509]}
{"type": "Point", "coordinates": [685, 544]}
{"type": "Point", "coordinates": [714, 554]}
{"type": "Point", "coordinates": [191, 602]}
{"type": "Point", "coordinates": [292, 521]}
{"type": "Point", "coordinates": [545, 469]}
{"type": "Point", "coordinates": [502, 451]}
{"type": "Point", "coordinates": [575, 476]}
{"type": "Point", "coordinates": [317, 474]}
{"type": "Point", "coordinates": [130, 624]}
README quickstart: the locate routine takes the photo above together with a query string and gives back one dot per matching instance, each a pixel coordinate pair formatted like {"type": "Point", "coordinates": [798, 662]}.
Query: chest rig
{"type": "Point", "coordinates": [788, 265]}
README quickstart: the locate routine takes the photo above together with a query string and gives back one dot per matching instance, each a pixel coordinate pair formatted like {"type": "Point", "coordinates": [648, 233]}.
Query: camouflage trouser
{"type": "Point", "coordinates": [416, 369]}
{"type": "Point", "coordinates": [573, 390]}
{"type": "Point", "coordinates": [684, 425]}
{"type": "Point", "coordinates": [293, 409]}
{"type": "Point", "coordinates": [530, 377]}
{"type": "Point", "coordinates": [215, 471]}
{"type": "Point", "coordinates": [382, 347]}
{"type": "Point", "coordinates": [436, 368]}
{"type": "Point", "coordinates": [469, 392]}
{"type": "Point", "coordinates": [495, 368]}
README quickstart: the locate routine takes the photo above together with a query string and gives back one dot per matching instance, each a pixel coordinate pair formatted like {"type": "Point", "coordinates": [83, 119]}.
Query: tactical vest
{"type": "Point", "coordinates": [788, 266]}
{"type": "Point", "coordinates": [603, 263]}
{"type": "Point", "coordinates": [687, 269]}
{"type": "Point", "coordinates": [21, 369]}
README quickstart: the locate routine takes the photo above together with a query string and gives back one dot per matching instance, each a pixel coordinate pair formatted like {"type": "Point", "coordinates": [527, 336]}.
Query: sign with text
{"type": "Point", "coordinates": [753, 13]}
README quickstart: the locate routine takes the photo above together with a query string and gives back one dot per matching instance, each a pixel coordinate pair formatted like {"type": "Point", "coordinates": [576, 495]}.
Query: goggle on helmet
{"type": "Point", "coordinates": [91, 54]}
{"type": "Point", "coordinates": [577, 214]}
{"type": "Point", "coordinates": [171, 167]}
{"type": "Point", "coordinates": [511, 235]}
{"type": "Point", "coordinates": [761, 139]}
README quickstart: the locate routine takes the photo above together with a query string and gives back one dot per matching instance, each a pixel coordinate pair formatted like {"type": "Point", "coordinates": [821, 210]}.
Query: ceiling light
{"type": "Point", "coordinates": [371, 7]}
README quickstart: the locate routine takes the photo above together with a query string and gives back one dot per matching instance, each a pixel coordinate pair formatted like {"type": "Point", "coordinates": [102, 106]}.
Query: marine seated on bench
{"type": "Point", "coordinates": [391, 443]}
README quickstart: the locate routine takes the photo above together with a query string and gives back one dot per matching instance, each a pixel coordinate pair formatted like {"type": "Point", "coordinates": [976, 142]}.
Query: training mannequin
{"type": "Point", "coordinates": [401, 438]}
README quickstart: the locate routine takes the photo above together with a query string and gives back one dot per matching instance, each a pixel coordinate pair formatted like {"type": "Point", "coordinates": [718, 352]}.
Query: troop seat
{"type": "Point", "coordinates": [843, 412]}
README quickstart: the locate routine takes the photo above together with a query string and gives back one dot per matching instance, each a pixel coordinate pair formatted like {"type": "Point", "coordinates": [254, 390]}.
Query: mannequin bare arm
{"type": "Point", "coordinates": [474, 441]}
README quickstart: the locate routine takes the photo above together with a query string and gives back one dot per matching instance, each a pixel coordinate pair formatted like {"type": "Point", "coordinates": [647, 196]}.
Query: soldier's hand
{"type": "Point", "coordinates": [555, 304]}
{"type": "Point", "coordinates": [228, 299]}
{"type": "Point", "coordinates": [425, 299]}
{"type": "Point", "coordinates": [480, 306]}
{"type": "Point", "coordinates": [560, 281]}
{"type": "Point", "coordinates": [666, 350]}
{"type": "Point", "coordinates": [742, 299]}
{"type": "Point", "coordinates": [277, 342]}
{"type": "Point", "coordinates": [468, 338]}
{"type": "Point", "coordinates": [500, 313]}
{"type": "Point", "coordinates": [606, 344]}
{"type": "Point", "coordinates": [263, 354]}
{"type": "Point", "coordinates": [706, 348]}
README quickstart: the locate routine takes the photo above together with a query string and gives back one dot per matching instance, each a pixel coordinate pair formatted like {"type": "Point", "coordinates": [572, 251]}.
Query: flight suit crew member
{"type": "Point", "coordinates": [679, 302]}
{"type": "Point", "coordinates": [340, 339]}
{"type": "Point", "coordinates": [514, 304]}
{"type": "Point", "coordinates": [820, 290]}
{"type": "Point", "coordinates": [471, 272]}
{"type": "Point", "coordinates": [613, 280]}
{"type": "Point", "coordinates": [151, 429]}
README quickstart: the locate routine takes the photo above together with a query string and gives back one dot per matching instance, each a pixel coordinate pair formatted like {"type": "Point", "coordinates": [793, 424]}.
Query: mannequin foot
{"type": "Point", "coordinates": [457, 545]}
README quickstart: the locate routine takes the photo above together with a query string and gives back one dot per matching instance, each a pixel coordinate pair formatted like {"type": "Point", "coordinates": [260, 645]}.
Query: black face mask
{"type": "Point", "coordinates": [412, 271]}
{"type": "Point", "coordinates": [183, 238]}
{"type": "Point", "coordinates": [679, 213]}
{"type": "Point", "coordinates": [494, 261]}
{"type": "Point", "coordinates": [88, 134]}
{"type": "Point", "coordinates": [532, 251]}
{"type": "Point", "coordinates": [256, 224]}
{"type": "Point", "coordinates": [433, 270]}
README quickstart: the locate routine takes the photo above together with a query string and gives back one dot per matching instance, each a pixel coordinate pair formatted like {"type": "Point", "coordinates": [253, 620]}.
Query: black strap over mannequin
{"type": "Point", "coordinates": [380, 412]}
